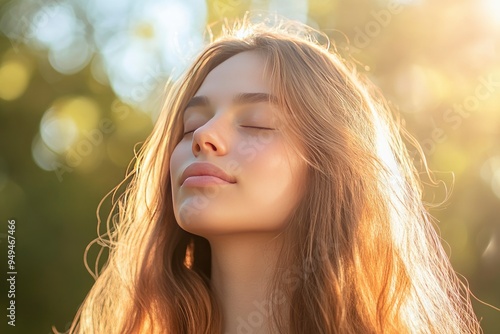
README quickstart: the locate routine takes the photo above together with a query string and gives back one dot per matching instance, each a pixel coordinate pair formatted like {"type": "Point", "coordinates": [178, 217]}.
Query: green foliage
{"type": "Point", "coordinates": [436, 61]}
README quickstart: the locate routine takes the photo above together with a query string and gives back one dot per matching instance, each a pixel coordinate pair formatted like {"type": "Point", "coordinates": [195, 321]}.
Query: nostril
{"type": "Point", "coordinates": [208, 146]}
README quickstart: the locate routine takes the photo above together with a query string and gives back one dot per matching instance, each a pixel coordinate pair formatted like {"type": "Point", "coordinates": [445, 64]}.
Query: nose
{"type": "Point", "coordinates": [208, 139]}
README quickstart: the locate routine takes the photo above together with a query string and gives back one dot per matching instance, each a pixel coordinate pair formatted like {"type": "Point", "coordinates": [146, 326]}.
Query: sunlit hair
{"type": "Point", "coordinates": [361, 252]}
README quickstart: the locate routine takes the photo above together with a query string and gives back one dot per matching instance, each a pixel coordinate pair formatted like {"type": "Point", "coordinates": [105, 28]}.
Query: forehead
{"type": "Point", "coordinates": [242, 73]}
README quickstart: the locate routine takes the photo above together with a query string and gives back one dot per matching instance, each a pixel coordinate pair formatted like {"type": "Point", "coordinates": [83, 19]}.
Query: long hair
{"type": "Point", "coordinates": [361, 253]}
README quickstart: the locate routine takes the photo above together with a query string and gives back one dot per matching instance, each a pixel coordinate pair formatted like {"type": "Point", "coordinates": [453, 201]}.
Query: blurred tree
{"type": "Point", "coordinates": [81, 82]}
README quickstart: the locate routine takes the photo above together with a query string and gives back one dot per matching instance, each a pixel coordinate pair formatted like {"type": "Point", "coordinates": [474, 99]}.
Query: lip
{"type": "Point", "coordinates": [204, 173]}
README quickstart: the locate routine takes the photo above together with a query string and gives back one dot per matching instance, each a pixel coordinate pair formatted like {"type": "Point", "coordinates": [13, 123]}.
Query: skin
{"type": "Point", "coordinates": [241, 220]}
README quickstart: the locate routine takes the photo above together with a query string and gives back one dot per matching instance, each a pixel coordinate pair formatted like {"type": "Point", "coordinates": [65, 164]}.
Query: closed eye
{"type": "Point", "coordinates": [243, 126]}
{"type": "Point", "coordinates": [257, 127]}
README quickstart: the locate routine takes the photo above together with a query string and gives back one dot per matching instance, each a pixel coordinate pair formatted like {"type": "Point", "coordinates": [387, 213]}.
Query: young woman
{"type": "Point", "coordinates": [274, 195]}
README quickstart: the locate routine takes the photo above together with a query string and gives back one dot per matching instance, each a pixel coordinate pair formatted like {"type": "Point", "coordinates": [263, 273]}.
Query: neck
{"type": "Point", "coordinates": [241, 272]}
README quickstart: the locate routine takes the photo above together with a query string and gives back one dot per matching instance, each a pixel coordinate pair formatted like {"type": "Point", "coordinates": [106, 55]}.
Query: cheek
{"type": "Point", "coordinates": [177, 161]}
{"type": "Point", "coordinates": [274, 183]}
{"type": "Point", "coordinates": [178, 157]}
{"type": "Point", "coordinates": [276, 165]}
{"type": "Point", "coordinates": [174, 161]}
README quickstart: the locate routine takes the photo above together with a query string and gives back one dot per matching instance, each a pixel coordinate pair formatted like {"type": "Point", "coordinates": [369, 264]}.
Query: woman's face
{"type": "Point", "coordinates": [233, 172]}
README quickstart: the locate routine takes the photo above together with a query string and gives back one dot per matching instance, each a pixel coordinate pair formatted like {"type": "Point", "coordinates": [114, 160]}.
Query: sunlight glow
{"type": "Point", "coordinates": [492, 10]}
{"type": "Point", "coordinates": [14, 79]}
{"type": "Point", "coordinates": [72, 58]}
{"type": "Point", "coordinates": [54, 26]}
{"type": "Point", "coordinates": [139, 44]}
{"type": "Point", "coordinates": [495, 183]}
{"type": "Point", "coordinates": [422, 86]}
{"type": "Point", "coordinates": [296, 10]}
{"type": "Point", "coordinates": [43, 156]}
{"type": "Point", "coordinates": [66, 121]}
{"type": "Point", "coordinates": [492, 248]}
{"type": "Point", "coordinates": [395, 185]}
{"type": "Point", "coordinates": [490, 173]}
{"type": "Point", "coordinates": [489, 167]}
{"type": "Point", "coordinates": [57, 132]}
{"type": "Point", "coordinates": [159, 39]}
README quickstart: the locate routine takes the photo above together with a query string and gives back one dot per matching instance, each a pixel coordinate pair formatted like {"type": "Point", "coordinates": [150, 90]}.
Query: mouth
{"type": "Point", "coordinates": [203, 180]}
{"type": "Point", "coordinates": [204, 173]}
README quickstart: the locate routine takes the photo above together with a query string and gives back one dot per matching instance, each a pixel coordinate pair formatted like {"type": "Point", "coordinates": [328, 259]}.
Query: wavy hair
{"type": "Point", "coordinates": [361, 252]}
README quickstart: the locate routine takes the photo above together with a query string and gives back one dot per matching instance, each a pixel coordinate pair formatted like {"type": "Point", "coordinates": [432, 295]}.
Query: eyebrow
{"type": "Point", "coordinates": [241, 98]}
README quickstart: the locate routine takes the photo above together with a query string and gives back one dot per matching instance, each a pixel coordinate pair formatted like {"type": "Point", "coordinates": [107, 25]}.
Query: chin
{"type": "Point", "coordinates": [203, 221]}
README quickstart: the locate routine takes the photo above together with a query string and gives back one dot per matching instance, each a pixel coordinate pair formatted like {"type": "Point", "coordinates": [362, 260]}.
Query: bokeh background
{"type": "Point", "coordinates": [81, 82]}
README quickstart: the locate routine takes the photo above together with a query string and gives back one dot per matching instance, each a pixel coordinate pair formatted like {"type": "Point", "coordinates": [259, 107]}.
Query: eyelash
{"type": "Point", "coordinates": [257, 127]}
{"type": "Point", "coordinates": [243, 126]}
